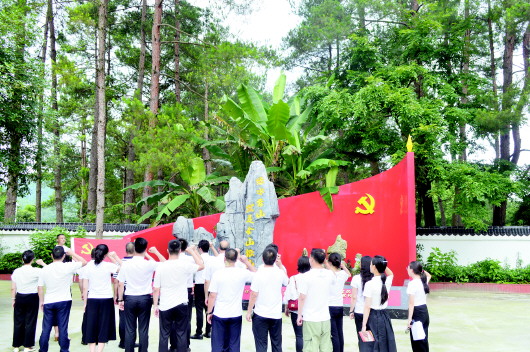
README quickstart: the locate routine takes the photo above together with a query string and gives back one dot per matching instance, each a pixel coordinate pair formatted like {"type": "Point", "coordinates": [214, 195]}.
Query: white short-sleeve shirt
{"type": "Point", "coordinates": [100, 279]}
{"type": "Point", "coordinates": [356, 282]}
{"type": "Point", "coordinates": [138, 274]}
{"type": "Point", "coordinates": [336, 298]}
{"type": "Point", "coordinates": [268, 282]}
{"type": "Point", "coordinates": [26, 278]}
{"type": "Point", "coordinates": [416, 289]}
{"type": "Point", "coordinates": [172, 277]}
{"type": "Point", "coordinates": [373, 289]}
{"type": "Point", "coordinates": [57, 278]}
{"type": "Point", "coordinates": [316, 286]}
{"type": "Point", "coordinates": [229, 284]}
{"type": "Point", "coordinates": [200, 276]}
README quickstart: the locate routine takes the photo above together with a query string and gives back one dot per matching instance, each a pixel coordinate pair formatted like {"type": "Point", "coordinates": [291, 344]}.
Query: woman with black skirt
{"type": "Point", "coordinates": [336, 300]}
{"type": "Point", "coordinates": [417, 291]}
{"type": "Point", "coordinates": [24, 291]}
{"type": "Point", "coordinates": [357, 303]}
{"type": "Point", "coordinates": [99, 302]}
{"type": "Point", "coordinates": [291, 293]}
{"type": "Point", "coordinates": [375, 316]}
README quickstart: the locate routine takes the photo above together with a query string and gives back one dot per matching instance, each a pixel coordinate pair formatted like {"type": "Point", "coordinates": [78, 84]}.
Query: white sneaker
{"type": "Point", "coordinates": [16, 349]}
{"type": "Point", "coordinates": [29, 349]}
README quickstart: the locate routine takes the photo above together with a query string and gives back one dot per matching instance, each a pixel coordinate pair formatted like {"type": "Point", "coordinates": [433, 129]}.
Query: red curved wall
{"type": "Point", "coordinates": [306, 222]}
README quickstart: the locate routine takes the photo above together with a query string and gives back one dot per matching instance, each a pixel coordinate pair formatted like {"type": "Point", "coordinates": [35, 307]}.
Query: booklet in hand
{"type": "Point", "coordinates": [369, 338]}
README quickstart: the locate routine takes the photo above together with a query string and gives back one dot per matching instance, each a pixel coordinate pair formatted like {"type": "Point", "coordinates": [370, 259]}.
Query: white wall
{"type": "Point", "coordinates": [471, 249]}
{"type": "Point", "coordinates": [18, 241]}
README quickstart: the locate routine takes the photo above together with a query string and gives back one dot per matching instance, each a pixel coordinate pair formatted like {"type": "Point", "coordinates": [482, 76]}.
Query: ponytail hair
{"type": "Point", "coordinates": [28, 256]}
{"type": "Point", "coordinates": [335, 259]}
{"type": "Point", "coordinates": [380, 264]}
{"type": "Point", "coordinates": [417, 268]}
{"type": "Point", "coordinates": [366, 274]}
{"type": "Point", "coordinates": [100, 252]}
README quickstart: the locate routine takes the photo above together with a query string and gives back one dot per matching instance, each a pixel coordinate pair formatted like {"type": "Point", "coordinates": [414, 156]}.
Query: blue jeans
{"type": "Point", "coordinates": [60, 313]}
{"type": "Point", "coordinates": [226, 334]}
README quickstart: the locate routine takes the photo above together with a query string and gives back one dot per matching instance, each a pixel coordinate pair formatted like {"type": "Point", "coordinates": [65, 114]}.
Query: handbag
{"type": "Point", "coordinates": [292, 304]}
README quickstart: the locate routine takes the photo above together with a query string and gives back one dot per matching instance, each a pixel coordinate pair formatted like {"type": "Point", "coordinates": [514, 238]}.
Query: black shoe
{"type": "Point", "coordinates": [121, 346]}
{"type": "Point", "coordinates": [196, 337]}
{"type": "Point", "coordinates": [136, 345]}
{"type": "Point", "coordinates": [208, 335]}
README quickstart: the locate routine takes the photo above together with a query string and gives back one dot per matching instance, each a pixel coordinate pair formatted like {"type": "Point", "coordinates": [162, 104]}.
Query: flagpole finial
{"type": "Point", "coordinates": [409, 144]}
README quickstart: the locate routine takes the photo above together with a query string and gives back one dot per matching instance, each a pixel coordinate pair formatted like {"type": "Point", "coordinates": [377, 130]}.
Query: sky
{"type": "Point", "coordinates": [271, 20]}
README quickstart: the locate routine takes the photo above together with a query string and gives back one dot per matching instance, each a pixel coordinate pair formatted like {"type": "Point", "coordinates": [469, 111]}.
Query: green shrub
{"type": "Point", "coordinates": [43, 242]}
{"type": "Point", "coordinates": [9, 262]}
{"type": "Point", "coordinates": [487, 270]}
{"type": "Point", "coordinates": [442, 266]}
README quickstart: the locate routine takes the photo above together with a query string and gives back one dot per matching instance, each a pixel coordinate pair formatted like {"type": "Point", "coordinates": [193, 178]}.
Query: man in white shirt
{"type": "Point", "coordinates": [313, 301]}
{"type": "Point", "coordinates": [137, 301]}
{"type": "Point", "coordinates": [226, 293]}
{"type": "Point", "coordinates": [266, 295]}
{"type": "Point", "coordinates": [200, 307]}
{"type": "Point", "coordinates": [57, 278]}
{"type": "Point", "coordinates": [170, 285]}
{"type": "Point", "coordinates": [212, 266]}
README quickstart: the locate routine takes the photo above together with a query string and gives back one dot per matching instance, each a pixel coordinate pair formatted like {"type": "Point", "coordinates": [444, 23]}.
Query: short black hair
{"type": "Point", "coordinates": [28, 256]}
{"type": "Point", "coordinates": [140, 245]}
{"type": "Point", "coordinates": [319, 255]}
{"type": "Point", "coordinates": [275, 246]}
{"type": "Point", "coordinates": [269, 256]}
{"type": "Point", "coordinates": [231, 255]}
{"type": "Point", "coordinates": [204, 245]}
{"type": "Point", "coordinates": [303, 264]}
{"type": "Point", "coordinates": [61, 234]}
{"type": "Point", "coordinates": [173, 247]}
{"type": "Point", "coordinates": [58, 252]}
{"type": "Point", "coordinates": [183, 244]}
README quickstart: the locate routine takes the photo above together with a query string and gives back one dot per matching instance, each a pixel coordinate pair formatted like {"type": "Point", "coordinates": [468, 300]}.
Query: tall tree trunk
{"type": "Point", "coordinates": [93, 170]}
{"type": "Point", "coordinates": [499, 212]}
{"type": "Point", "coordinates": [102, 117]}
{"type": "Point", "coordinates": [205, 151]}
{"type": "Point", "coordinates": [361, 12]}
{"type": "Point", "coordinates": [57, 169]}
{"type": "Point", "coordinates": [82, 203]}
{"type": "Point", "coordinates": [131, 153]}
{"type": "Point", "coordinates": [155, 88]}
{"type": "Point", "coordinates": [15, 137]}
{"type": "Point", "coordinates": [177, 52]}
{"type": "Point", "coordinates": [38, 157]}
{"type": "Point", "coordinates": [443, 219]}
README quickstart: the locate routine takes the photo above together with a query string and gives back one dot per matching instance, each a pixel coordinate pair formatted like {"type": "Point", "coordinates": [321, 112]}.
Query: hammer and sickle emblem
{"type": "Point", "coordinates": [87, 248]}
{"type": "Point", "coordinates": [368, 206]}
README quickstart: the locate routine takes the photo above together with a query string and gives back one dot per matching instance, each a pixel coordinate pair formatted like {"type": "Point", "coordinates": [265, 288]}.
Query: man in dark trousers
{"type": "Point", "coordinates": [137, 301]}
{"type": "Point", "coordinates": [200, 307]}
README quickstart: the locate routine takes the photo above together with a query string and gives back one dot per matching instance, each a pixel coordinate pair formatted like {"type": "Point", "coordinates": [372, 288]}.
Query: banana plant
{"type": "Point", "coordinates": [196, 197]}
{"type": "Point", "coordinates": [275, 135]}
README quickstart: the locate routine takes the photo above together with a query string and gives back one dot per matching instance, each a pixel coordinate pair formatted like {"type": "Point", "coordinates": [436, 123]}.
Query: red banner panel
{"type": "Point", "coordinates": [376, 216]}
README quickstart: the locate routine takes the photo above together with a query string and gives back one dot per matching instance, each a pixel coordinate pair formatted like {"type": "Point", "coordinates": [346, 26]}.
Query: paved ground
{"type": "Point", "coordinates": [460, 321]}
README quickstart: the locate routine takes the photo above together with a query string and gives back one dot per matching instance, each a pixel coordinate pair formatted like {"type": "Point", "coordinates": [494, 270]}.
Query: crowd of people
{"type": "Point", "coordinates": [214, 284]}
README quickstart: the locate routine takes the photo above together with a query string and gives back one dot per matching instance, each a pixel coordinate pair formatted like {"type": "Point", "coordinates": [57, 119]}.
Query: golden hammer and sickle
{"type": "Point", "coordinates": [368, 206]}
{"type": "Point", "coordinates": [87, 248]}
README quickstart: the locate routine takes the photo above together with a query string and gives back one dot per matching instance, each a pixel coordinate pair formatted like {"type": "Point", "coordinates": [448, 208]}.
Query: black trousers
{"type": "Point", "coordinates": [263, 327]}
{"type": "Point", "coordinates": [200, 309]}
{"type": "Point", "coordinates": [363, 346]}
{"type": "Point", "coordinates": [25, 319]}
{"type": "Point", "coordinates": [337, 333]}
{"type": "Point", "coordinates": [137, 311]}
{"type": "Point", "coordinates": [421, 314]}
{"type": "Point", "coordinates": [226, 334]}
{"type": "Point", "coordinates": [121, 328]}
{"type": "Point", "coordinates": [174, 322]}
{"type": "Point", "coordinates": [298, 332]}
{"type": "Point", "coordinates": [172, 336]}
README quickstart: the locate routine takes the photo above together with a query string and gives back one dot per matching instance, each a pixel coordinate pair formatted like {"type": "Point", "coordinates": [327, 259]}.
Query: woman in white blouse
{"type": "Point", "coordinates": [336, 300]}
{"type": "Point", "coordinates": [417, 290]}
{"type": "Point", "coordinates": [357, 303]}
{"type": "Point", "coordinates": [291, 293]}
{"type": "Point", "coordinates": [99, 301]}
{"type": "Point", "coordinates": [375, 316]}
{"type": "Point", "coordinates": [24, 292]}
